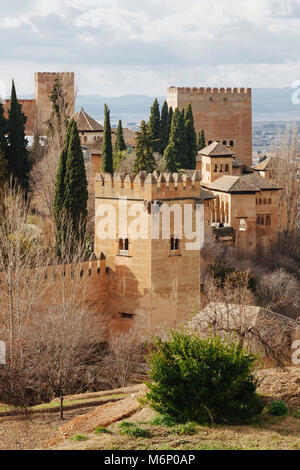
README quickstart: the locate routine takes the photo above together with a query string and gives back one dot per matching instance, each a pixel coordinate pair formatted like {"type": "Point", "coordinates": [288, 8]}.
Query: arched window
{"type": "Point", "coordinates": [260, 201]}
{"type": "Point", "coordinates": [226, 168]}
{"type": "Point", "coordinates": [265, 201]}
{"type": "Point", "coordinates": [224, 142]}
{"type": "Point", "coordinates": [209, 142]}
{"type": "Point", "coordinates": [231, 143]}
{"type": "Point", "coordinates": [269, 201]}
{"type": "Point", "coordinates": [268, 220]}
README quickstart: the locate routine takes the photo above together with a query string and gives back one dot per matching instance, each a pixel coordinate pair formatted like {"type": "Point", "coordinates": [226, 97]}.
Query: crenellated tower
{"type": "Point", "coordinates": [155, 277]}
{"type": "Point", "coordinates": [225, 114]}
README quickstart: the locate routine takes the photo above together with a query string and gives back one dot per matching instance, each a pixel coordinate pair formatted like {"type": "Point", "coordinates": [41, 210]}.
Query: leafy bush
{"type": "Point", "coordinates": [188, 429]}
{"type": "Point", "coordinates": [164, 420]}
{"type": "Point", "coordinates": [278, 408]}
{"type": "Point", "coordinates": [202, 380]}
{"type": "Point", "coordinates": [132, 430]}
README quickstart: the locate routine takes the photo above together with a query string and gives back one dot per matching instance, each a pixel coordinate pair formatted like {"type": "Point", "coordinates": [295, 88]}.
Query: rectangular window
{"type": "Point", "coordinates": [226, 168]}
{"type": "Point", "coordinates": [174, 244]}
{"type": "Point", "coordinates": [216, 169]}
{"type": "Point", "coordinates": [123, 246]}
{"type": "Point", "coordinates": [268, 220]}
{"type": "Point", "coordinates": [128, 316]}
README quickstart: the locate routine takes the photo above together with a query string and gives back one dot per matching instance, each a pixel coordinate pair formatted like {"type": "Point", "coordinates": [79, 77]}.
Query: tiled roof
{"type": "Point", "coordinates": [241, 184]}
{"type": "Point", "coordinates": [204, 194]}
{"type": "Point", "coordinates": [263, 165]}
{"type": "Point", "coordinates": [85, 122]}
{"type": "Point", "coordinates": [215, 149]}
{"type": "Point", "coordinates": [237, 163]}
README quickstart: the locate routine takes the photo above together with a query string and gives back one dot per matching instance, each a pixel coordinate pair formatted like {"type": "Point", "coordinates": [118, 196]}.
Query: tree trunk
{"type": "Point", "coordinates": [61, 405]}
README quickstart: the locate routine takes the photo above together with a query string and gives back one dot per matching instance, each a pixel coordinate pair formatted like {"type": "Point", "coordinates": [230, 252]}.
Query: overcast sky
{"type": "Point", "coordinates": [120, 47]}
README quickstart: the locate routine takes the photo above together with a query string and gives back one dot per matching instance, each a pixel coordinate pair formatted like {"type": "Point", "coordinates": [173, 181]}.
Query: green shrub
{"type": "Point", "coordinates": [101, 430]}
{"type": "Point", "coordinates": [164, 420]}
{"type": "Point", "coordinates": [186, 429]}
{"type": "Point", "coordinates": [132, 430]}
{"type": "Point", "coordinates": [278, 408]}
{"type": "Point", "coordinates": [202, 380]}
{"type": "Point", "coordinates": [78, 437]}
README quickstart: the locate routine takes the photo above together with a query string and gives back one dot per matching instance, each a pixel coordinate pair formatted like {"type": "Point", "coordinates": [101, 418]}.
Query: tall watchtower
{"type": "Point", "coordinates": [155, 277]}
{"type": "Point", "coordinates": [43, 87]}
{"type": "Point", "coordinates": [225, 114]}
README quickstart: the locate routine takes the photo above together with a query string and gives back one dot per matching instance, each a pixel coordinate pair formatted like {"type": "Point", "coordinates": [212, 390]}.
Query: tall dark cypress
{"type": "Point", "coordinates": [76, 192]}
{"type": "Point", "coordinates": [164, 127]}
{"type": "Point", "coordinates": [201, 140]}
{"type": "Point", "coordinates": [154, 127]}
{"type": "Point", "coordinates": [119, 142]}
{"type": "Point", "coordinates": [17, 155]}
{"type": "Point", "coordinates": [143, 148]}
{"type": "Point", "coordinates": [191, 139]}
{"type": "Point", "coordinates": [107, 154]}
{"type": "Point", "coordinates": [170, 118]}
{"type": "Point", "coordinates": [59, 195]}
{"type": "Point", "coordinates": [175, 152]}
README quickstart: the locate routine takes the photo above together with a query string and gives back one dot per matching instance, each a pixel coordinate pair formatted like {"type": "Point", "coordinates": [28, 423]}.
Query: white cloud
{"type": "Point", "coordinates": [142, 46]}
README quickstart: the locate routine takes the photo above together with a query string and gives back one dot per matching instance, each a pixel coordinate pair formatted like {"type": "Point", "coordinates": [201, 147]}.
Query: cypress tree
{"type": "Point", "coordinates": [143, 147]}
{"type": "Point", "coordinates": [169, 158]}
{"type": "Point", "coordinates": [76, 192]}
{"type": "Point", "coordinates": [191, 139]}
{"type": "Point", "coordinates": [107, 156]}
{"type": "Point", "coordinates": [170, 117]}
{"type": "Point", "coordinates": [201, 140]}
{"type": "Point", "coordinates": [59, 195]}
{"type": "Point", "coordinates": [164, 127]}
{"type": "Point", "coordinates": [175, 153]}
{"type": "Point", "coordinates": [154, 127]}
{"type": "Point", "coordinates": [119, 142]}
{"type": "Point", "coordinates": [17, 155]}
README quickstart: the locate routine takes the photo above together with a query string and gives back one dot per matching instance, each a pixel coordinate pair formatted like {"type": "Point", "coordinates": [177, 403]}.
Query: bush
{"type": "Point", "coordinates": [164, 420]}
{"type": "Point", "coordinates": [188, 429]}
{"type": "Point", "coordinates": [278, 408]}
{"type": "Point", "coordinates": [202, 380]}
{"type": "Point", "coordinates": [132, 430]}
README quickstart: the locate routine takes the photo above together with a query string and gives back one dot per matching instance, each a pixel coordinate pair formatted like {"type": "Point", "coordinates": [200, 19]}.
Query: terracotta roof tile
{"type": "Point", "coordinates": [85, 122]}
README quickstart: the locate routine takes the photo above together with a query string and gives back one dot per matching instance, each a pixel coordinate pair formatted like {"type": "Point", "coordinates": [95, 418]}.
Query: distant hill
{"type": "Point", "coordinates": [269, 104]}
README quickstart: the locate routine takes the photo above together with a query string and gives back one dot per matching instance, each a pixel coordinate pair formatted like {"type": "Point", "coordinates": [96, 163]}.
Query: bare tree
{"type": "Point", "coordinates": [230, 311]}
{"type": "Point", "coordinates": [285, 171]}
{"type": "Point", "coordinates": [123, 358]}
{"type": "Point", "coordinates": [279, 291]}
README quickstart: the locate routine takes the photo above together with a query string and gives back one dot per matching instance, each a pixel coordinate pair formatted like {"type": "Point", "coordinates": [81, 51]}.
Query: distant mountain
{"type": "Point", "coordinates": [268, 104]}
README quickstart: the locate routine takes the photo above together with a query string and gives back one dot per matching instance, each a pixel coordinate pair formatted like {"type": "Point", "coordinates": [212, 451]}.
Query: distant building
{"type": "Point", "coordinates": [90, 131]}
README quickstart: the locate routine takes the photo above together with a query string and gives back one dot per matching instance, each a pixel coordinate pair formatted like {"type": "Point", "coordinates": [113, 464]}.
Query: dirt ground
{"type": "Point", "coordinates": [264, 432]}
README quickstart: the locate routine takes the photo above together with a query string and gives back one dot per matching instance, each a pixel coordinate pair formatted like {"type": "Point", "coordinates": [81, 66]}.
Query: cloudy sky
{"type": "Point", "coordinates": [120, 47]}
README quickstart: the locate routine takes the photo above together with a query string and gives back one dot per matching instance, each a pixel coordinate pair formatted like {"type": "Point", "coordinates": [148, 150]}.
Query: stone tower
{"type": "Point", "coordinates": [225, 114]}
{"type": "Point", "coordinates": [154, 281]}
{"type": "Point", "coordinates": [43, 86]}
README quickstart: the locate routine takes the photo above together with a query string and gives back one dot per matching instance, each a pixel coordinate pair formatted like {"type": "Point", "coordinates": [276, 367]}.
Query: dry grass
{"type": "Point", "coordinates": [264, 433]}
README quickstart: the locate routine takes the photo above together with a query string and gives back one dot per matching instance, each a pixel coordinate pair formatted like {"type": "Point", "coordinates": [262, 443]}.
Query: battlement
{"type": "Point", "coordinates": [92, 268]}
{"type": "Point", "coordinates": [211, 91]}
{"type": "Point", "coordinates": [53, 74]}
{"type": "Point", "coordinates": [148, 186]}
